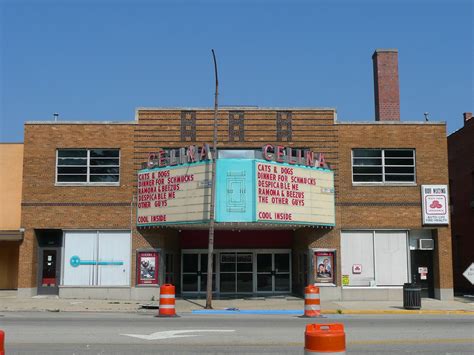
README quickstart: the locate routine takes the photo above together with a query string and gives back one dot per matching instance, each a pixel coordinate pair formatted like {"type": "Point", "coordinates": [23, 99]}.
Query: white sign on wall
{"type": "Point", "coordinates": [174, 194]}
{"type": "Point", "coordinates": [469, 273]}
{"type": "Point", "coordinates": [434, 199]}
{"type": "Point", "coordinates": [291, 194]}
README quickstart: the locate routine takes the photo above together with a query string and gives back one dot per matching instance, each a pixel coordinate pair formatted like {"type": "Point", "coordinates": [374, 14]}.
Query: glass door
{"type": "Point", "coordinates": [194, 274]}
{"type": "Point", "coordinates": [281, 272]}
{"type": "Point", "coordinates": [273, 272]}
{"type": "Point", "coordinates": [203, 273]}
{"type": "Point", "coordinates": [190, 275]}
{"type": "Point", "coordinates": [264, 272]}
{"type": "Point", "coordinates": [236, 272]}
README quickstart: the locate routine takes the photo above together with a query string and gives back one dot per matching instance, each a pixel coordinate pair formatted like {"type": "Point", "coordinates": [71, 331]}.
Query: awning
{"type": "Point", "coordinates": [11, 236]}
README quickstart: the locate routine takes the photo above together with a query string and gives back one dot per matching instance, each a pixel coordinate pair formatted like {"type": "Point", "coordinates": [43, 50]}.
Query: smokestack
{"type": "Point", "coordinates": [386, 86]}
{"type": "Point", "coordinates": [467, 117]}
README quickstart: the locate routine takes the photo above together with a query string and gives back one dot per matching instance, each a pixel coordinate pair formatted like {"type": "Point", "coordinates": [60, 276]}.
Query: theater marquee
{"type": "Point", "coordinates": [174, 194]}
{"type": "Point", "coordinates": [294, 194]}
{"type": "Point", "coordinates": [285, 187]}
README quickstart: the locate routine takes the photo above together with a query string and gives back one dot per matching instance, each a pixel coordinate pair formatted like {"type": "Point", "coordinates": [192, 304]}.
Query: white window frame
{"type": "Point", "coordinates": [383, 165]}
{"type": "Point", "coordinates": [88, 166]}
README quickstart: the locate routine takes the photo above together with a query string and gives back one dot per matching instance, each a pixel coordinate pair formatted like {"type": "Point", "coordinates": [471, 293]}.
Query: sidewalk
{"type": "Point", "coordinates": [9, 303]}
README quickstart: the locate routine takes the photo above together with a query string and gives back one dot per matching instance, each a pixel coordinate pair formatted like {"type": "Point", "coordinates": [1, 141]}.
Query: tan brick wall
{"type": "Point", "coordinates": [41, 142]}
{"type": "Point", "coordinates": [27, 264]}
{"type": "Point", "coordinates": [369, 206]}
{"type": "Point", "coordinates": [46, 206]}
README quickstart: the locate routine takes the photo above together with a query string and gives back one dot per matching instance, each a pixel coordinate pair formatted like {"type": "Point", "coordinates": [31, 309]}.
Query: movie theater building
{"type": "Point", "coordinates": [113, 210]}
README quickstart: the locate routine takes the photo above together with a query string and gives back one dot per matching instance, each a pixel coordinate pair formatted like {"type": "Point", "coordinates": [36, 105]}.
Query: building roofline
{"type": "Point", "coordinates": [391, 123]}
{"type": "Point", "coordinates": [233, 108]}
{"type": "Point", "coordinates": [381, 50]}
{"type": "Point", "coordinates": [80, 122]}
{"type": "Point", "coordinates": [242, 108]}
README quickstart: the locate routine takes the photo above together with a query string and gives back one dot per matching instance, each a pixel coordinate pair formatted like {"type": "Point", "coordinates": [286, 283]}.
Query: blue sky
{"type": "Point", "coordinates": [99, 60]}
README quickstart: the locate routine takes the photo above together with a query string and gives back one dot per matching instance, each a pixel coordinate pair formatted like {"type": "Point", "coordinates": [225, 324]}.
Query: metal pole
{"type": "Point", "coordinates": [210, 251]}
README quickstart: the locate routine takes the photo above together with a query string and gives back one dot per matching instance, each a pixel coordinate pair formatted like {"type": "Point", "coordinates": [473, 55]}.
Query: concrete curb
{"type": "Point", "coordinates": [401, 311]}
{"type": "Point", "coordinates": [333, 311]}
{"type": "Point", "coordinates": [262, 312]}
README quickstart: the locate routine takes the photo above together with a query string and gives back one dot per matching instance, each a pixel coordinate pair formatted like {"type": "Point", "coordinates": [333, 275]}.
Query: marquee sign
{"type": "Point", "coordinates": [290, 186]}
{"type": "Point", "coordinates": [294, 194]}
{"type": "Point", "coordinates": [174, 194]}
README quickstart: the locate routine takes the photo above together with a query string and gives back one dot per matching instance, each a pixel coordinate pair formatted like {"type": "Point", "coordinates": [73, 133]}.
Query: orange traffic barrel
{"type": "Point", "coordinates": [312, 306]}
{"type": "Point", "coordinates": [2, 342]}
{"type": "Point", "coordinates": [167, 301]}
{"type": "Point", "coordinates": [325, 339]}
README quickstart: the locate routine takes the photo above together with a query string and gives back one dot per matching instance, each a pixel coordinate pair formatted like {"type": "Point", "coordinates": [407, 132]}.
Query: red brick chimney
{"type": "Point", "coordinates": [386, 86]}
{"type": "Point", "coordinates": [467, 117]}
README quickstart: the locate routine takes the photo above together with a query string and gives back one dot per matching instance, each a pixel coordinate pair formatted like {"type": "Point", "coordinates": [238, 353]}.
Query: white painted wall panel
{"type": "Point", "coordinates": [79, 255]}
{"type": "Point", "coordinates": [357, 248]}
{"type": "Point", "coordinates": [391, 258]}
{"type": "Point", "coordinates": [114, 258]}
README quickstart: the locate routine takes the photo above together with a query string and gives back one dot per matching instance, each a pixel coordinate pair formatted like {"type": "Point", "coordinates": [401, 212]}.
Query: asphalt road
{"type": "Point", "coordinates": [105, 333]}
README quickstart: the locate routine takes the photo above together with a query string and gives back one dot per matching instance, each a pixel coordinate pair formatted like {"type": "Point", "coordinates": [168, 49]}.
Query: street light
{"type": "Point", "coordinates": [210, 251]}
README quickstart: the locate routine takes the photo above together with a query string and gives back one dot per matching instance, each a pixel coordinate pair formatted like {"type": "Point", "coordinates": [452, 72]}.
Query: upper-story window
{"type": "Point", "coordinates": [88, 166]}
{"type": "Point", "coordinates": [389, 166]}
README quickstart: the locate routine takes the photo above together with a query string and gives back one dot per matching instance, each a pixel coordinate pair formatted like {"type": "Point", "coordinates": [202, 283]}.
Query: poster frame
{"type": "Point", "coordinates": [157, 253]}
{"type": "Point", "coordinates": [313, 263]}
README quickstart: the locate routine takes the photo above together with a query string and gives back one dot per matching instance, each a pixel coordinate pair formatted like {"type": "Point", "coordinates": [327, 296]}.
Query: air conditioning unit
{"type": "Point", "coordinates": [425, 244]}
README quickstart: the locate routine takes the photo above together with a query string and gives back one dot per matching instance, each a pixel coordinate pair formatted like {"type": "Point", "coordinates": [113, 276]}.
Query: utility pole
{"type": "Point", "coordinates": [210, 251]}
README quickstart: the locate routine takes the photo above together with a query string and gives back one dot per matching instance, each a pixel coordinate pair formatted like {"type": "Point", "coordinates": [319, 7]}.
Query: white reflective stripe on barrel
{"type": "Point", "coordinates": [166, 296]}
{"type": "Point", "coordinates": [166, 306]}
{"type": "Point", "coordinates": [309, 352]}
{"type": "Point", "coordinates": [312, 307]}
{"type": "Point", "coordinates": [311, 296]}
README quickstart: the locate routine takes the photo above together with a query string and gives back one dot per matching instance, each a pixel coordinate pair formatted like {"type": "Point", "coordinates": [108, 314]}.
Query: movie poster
{"type": "Point", "coordinates": [324, 267]}
{"type": "Point", "coordinates": [147, 268]}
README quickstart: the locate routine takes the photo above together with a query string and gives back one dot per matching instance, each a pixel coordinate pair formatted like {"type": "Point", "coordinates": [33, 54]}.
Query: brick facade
{"type": "Point", "coordinates": [395, 207]}
{"type": "Point", "coordinates": [461, 176]}
{"type": "Point", "coordinates": [47, 206]}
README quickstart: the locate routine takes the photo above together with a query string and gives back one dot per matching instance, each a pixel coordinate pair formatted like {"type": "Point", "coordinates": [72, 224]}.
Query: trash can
{"type": "Point", "coordinates": [411, 296]}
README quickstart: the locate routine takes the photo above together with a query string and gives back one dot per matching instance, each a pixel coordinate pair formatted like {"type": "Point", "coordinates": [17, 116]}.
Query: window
{"type": "Point", "coordinates": [88, 166]}
{"type": "Point", "coordinates": [383, 166]}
